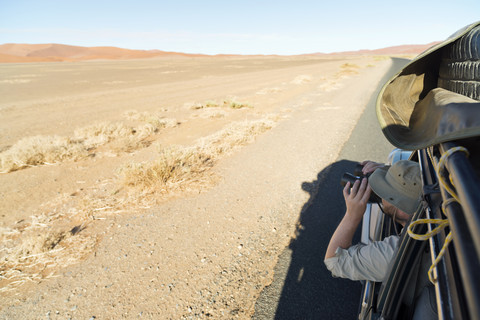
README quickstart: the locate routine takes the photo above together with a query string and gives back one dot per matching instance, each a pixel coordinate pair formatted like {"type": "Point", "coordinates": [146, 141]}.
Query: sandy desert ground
{"type": "Point", "coordinates": [162, 188]}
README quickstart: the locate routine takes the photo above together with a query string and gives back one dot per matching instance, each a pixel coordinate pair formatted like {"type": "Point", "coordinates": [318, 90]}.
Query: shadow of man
{"type": "Point", "coordinates": [309, 290]}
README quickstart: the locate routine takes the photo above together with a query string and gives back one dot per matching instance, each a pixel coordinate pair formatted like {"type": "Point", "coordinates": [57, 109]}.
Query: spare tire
{"type": "Point", "coordinates": [460, 66]}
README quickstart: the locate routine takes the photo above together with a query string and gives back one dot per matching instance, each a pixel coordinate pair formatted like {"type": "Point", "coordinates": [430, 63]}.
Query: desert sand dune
{"type": "Point", "coordinates": [60, 52]}
{"type": "Point", "coordinates": [161, 188]}
{"type": "Point", "coordinates": [21, 50]}
{"type": "Point", "coordinates": [55, 50]}
{"type": "Point", "coordinates": [7, 58]}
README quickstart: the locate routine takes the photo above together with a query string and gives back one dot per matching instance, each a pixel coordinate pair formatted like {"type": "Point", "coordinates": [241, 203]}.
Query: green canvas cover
{"type": "Point", "coordinates": [415, 113]}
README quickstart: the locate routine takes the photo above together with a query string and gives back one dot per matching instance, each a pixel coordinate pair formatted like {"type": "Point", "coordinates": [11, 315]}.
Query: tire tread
{"type": "Point", "coordinates": [460, 66]}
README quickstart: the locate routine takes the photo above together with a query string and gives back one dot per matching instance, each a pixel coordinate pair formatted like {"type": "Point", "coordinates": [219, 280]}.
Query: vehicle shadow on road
{"type": "Point", "coordinates": [309, 291]}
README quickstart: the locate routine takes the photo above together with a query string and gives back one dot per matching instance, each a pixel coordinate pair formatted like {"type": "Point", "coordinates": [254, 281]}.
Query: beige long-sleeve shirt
{"type": "Point", "coordinates": [363, 261]}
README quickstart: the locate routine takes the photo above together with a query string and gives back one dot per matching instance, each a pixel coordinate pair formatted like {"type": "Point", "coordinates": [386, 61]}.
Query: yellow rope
{"type": "Point", "coordinates": [441, 170]}
{"type": "Point", "coordinates": [442, 223]}
{"type": "Point", "coordinates": [446, 203]}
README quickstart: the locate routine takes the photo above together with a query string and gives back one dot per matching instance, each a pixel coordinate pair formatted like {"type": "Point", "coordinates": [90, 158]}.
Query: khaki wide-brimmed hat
{"type": "Point", "coordinates": [417, 108]}
{"type": "Point", "coordinates": [399, 184]}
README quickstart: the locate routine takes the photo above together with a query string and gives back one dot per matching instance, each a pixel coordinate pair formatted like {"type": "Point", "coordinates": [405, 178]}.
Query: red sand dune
{"type": "Point", "coordinates": [8, 58]}
{"type": "Point", "coordinates": [15, 53]}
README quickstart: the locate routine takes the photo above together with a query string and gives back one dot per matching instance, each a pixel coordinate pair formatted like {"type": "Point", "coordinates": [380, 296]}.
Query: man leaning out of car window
{"type": "Point", "coordinates": [400, 188]}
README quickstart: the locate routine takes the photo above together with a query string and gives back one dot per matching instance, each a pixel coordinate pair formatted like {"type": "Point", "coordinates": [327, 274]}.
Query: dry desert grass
{"type": "Point", "coordinates": [227, 103]}
{"type": "Point", "coordinates": [177, 166]}
{"type": "Point", "coordinates": [32, 251]}
{"type": "Point", "coordinates": [39, 150]}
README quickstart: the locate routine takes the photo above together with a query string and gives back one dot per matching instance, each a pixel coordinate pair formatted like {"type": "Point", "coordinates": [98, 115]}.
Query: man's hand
{"type": "Point", "coordinates": [370, 166]}
{"type": "Point", "coordinates": [356, 199]}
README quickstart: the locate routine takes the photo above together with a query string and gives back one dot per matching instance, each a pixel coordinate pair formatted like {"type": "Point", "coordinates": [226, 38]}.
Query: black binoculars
{"type": "Point", "coordinates": [358, 175]}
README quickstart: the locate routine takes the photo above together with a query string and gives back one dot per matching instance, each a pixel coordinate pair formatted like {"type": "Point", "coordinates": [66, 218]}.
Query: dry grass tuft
{"type": "Point", "coordinates": [174, 165]}
{"type": "Point", "coordinates": [101, 133]}
{"type": "Point", "coordinates": [234, 135]}
{"type": "Point", "coordinates": [348, 69]}
{"type": "Point", "coordinates": [57, 236]}
{"type": "Point", "coordinates": [39, 150]}
{"type": "Point", "coordinates": [233, 104]}
{"type": "Point", "coordinates": [302, 79]}
{"type": "Point", "coordinates": [212, 114]}
{"type": "Point", "coordinates": [31, 251]}
{"type": "Point", "coordinates": [349, 66]}
{"type": "Point", "coordinates": [155, 119]}
{"type": "Point", "coordinates": [177, 166]}
{"type": "Point", "coordinates": [227, 103]}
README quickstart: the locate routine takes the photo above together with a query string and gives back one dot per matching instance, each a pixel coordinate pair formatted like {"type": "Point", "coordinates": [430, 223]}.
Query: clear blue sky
{"type": "Point", "coordinates": [235, 26]}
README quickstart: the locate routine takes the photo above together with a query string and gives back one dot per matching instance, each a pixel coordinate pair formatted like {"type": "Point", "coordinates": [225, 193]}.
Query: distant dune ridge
{"type": "Point", "coordinates": [15, 52]}
{"type": "Point", "coordinates": [403, 49]}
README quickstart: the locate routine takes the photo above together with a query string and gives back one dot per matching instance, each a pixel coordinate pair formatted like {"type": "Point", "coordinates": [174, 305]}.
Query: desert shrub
{"type": "Point", "coordinates": [160, 123]}
{"type": "Point", "coordinates": [227, 103]}
{"type": "Point", "coordinates": [348, 68]}
{"type": "Point", "coordinates": [174, 164]}
{"type": "Point", "coordinates": [100, 133]}
{"type": "Point", "coordinates": [212, 114]}
{"type": "Point", "coordinates": [154, 119]}
{"type": "Point", "coordinates": [234, 135]}
{"type": "Point", "coordinates": [37, 150]}
{"type": "Point", "coordinates": [236, 105]}
{"type": "Point", "coordinates": [178, 165]}
{"type": "Point", "coordinates": [35, 252]}
{"type": "Point", "coordinates": [211, 104]}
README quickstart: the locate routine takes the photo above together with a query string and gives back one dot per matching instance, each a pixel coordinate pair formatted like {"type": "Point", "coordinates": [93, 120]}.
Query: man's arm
{"type": "Point", "coordinates": [356, 201]}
